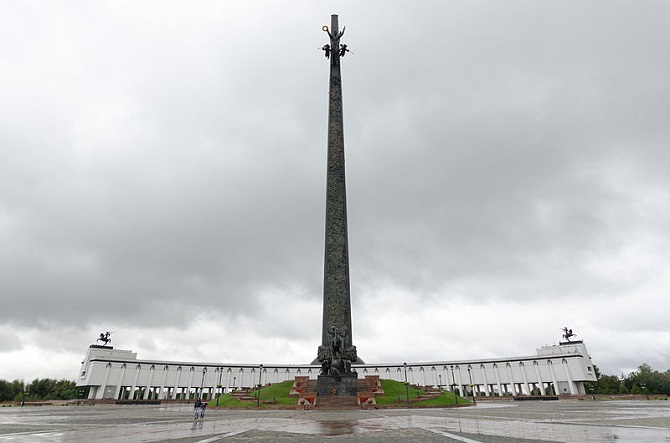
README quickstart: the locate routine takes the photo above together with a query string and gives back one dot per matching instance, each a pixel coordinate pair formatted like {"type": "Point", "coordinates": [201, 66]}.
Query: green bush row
{"type": "Point", "coordinates": [40, 389]}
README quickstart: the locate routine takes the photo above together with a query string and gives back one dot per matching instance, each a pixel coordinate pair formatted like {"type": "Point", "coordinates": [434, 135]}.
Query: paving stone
{"type": "Point", "coordinates": [504, 422]}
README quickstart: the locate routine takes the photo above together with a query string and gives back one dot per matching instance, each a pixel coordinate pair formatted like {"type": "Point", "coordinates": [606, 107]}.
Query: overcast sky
{"type": "Point", "coordinates": [162, 176]}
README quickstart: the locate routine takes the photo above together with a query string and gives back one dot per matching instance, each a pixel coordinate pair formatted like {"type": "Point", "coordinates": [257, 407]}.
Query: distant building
{"type": "Point", "coordinates": [117, 374]}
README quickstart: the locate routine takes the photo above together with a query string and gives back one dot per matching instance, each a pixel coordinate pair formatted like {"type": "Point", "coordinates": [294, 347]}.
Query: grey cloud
{"type": "Point", "coordinates": [151, 158]}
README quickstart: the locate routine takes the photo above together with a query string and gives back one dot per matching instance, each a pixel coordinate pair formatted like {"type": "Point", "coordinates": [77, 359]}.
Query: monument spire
{"type": "Point", "coordinates": [337, 351]}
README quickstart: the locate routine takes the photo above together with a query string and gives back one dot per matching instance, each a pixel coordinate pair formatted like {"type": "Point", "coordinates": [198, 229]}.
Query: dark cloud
{"type": "Point", "coordinates": [162, 163]}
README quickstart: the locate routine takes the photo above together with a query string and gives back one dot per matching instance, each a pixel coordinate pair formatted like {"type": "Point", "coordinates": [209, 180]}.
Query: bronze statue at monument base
{"type": "Point", "coordinates": [337, 378]}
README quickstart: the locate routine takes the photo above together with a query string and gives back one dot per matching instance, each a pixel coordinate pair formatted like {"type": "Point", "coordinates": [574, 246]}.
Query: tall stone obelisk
{"type": "Point", "coordinates": [337, 351]}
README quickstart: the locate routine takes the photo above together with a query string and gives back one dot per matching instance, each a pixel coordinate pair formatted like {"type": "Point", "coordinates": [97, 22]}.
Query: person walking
{"type": "Point", "coordinates": [196, 407]}
{"type": "Point", "coordinates": [203, 406]}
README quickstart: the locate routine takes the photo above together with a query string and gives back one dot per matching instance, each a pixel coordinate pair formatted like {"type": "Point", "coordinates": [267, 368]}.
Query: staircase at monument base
{"type": "Point", "coordinates": [337, 401]}
{"type": "Point", "coordinates": [371, 383]}
{"type": "Point", "coordinates": [243, 395]}
{"type": "Point", "coordinates": [305, 390]}
{"type": "Point", "coordinates": [428, 392]}
{"type": "Point", "coordinates": [368, 388]}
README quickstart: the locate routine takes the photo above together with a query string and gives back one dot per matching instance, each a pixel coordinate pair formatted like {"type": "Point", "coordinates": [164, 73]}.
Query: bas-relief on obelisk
{"type": "Point", "coordinates": [337, 351]}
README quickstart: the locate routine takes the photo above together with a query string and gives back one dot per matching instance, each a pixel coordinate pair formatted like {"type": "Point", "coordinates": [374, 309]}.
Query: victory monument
{"type": "Point", "coordinates": [111, 373]}
{"type": "Point", "coordinates": [337, 352]}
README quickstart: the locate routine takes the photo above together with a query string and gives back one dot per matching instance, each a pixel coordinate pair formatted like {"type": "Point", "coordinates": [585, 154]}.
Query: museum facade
{"type": "Point", "coordinates": [111, 373]}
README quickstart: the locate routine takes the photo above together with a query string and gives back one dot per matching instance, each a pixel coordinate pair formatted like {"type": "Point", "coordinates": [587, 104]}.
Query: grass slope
{"type": "Point", "coordinates": [392, 391]}
{"type": "Point", "coordinates": [277, 392]}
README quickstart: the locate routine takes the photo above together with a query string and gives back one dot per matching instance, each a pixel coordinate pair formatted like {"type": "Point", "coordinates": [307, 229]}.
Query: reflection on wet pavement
{"type": "Point", "coordinates": [563, 421]}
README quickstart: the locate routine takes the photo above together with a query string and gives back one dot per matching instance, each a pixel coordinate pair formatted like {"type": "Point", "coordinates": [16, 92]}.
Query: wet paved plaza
{"type": "Point", "coordinates": [555, 421]}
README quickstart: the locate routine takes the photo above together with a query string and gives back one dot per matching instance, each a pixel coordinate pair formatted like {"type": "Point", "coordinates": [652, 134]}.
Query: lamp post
{"type": "Point", "coordinates": [234, 380]}
{"type": "Point", "coordinates": [258, 394]}
{"type": "Point", "coordinates": [406, 384]}
{"type": "Point", "coordinates": [440, 375]}
{"type": "Point", "coordinates": [472, 386]}
{"type": "Point", "coordinates": [202, 383]}
{"type": "Point", "coordinates": [453, 384]}
{"type": "Point", "coordinates": [219, 387]}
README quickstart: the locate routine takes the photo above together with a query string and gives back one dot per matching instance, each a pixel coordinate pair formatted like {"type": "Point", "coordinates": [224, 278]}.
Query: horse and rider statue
{"type": "Point", "coordinates": [105, 338]}
{"type": "Point", "coordinates": [567, 333]}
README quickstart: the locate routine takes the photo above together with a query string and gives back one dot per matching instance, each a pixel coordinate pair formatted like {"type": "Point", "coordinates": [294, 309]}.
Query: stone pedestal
{"type": "Point", "coordinates": [329, 387]}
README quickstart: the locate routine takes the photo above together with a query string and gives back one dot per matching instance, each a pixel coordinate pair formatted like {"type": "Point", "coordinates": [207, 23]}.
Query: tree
{"type": "Point", "coordinates": [608, 385]}
{"type": "Point", "coordinates": [18, 387]}
{"type": "Point", "coordinates": [591, 387]}
{"type": "Point", "coordinates": [665, 382]}
{"type": "Point", "coordinates": [8, 390]}
{"type": "Point", "coordinates": [647, 380]}
{"type": "Point", "coordinates": [50, 389]}
{"type": "Point", "coordinates": [605, 384]}
{"type": "Point", "coordinates": [65, 390]}
{"type": "Point", "coordinates": [40, 389]}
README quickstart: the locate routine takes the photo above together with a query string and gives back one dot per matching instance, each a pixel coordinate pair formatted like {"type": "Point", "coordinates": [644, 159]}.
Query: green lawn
{"type": "Point", "coordinates": [392, 389]}
{"type": "Point", "coordinates": [447, 398]}
{"type": "Point", "coordinates": [277, 392]}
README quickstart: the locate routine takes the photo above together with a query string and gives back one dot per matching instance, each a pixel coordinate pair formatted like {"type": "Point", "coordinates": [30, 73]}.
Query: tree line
{"type": "Point", "coordinates": [40, 389]}
{"type": "Point", "coordinates": [644, 381]}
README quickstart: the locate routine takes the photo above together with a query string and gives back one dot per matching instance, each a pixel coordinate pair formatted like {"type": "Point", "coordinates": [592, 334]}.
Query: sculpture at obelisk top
{"type": "Point", "coordinates": [337, 351]}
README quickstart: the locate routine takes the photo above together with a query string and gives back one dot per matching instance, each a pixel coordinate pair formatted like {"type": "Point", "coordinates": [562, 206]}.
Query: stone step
{"type": "Point", "coordinates": [300, 384]}
{"type": "Point", "coordinates": [371, 383]}
{"type": "Point", "coordinates": [305, 390]}
{"type": "Point", "coordinates": [337, 401]}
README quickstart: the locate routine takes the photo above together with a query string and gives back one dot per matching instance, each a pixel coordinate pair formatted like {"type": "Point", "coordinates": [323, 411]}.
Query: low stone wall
{"type": "Point", "coordinates": [138, 402]}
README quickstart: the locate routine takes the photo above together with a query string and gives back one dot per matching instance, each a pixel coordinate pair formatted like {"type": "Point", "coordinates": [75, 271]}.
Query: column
{"type": "Point", "coordinates": [525, 379]}
{"type": "Point", "coordinates": [539, 378]}
{"type": "Point", "coordinates": [511, 379]}
{"type": "Point", "coordinates": [131, 396]}
{"type": "Point", "coordinates": [190, 382]}
{"type": "Point", "coordinates": [120, 382]}
{"type": "Point", "coordinates": [101, 391]}
{"type": "Point", "coordinates": [553, 376]}
{"type": "Point", "coordinates": [497, 376]}
{"type": "Point", "coordinates": [486, 381]}
{"type": "Point", "coordinates": [176, 384]}
{"type": "Point", "coordinates": [460, 382]}
{"type": "Point", "coordinates": [569, 377]}
{"type": "Point", "coordinates": [160, 391]}
{"type": "Point", "coordinates": [152, 369]}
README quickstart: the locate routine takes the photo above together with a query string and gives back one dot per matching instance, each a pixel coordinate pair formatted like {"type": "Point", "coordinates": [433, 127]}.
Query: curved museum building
{"type": "Point", "coordinates": [118, 374]}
